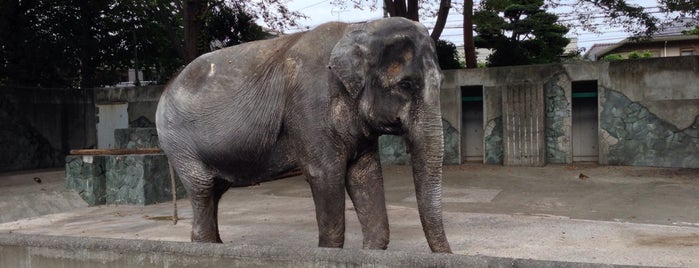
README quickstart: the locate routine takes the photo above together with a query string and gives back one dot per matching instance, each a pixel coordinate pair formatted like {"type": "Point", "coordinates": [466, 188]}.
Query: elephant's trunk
{"type": "Point", "coordinates": [426, 145]}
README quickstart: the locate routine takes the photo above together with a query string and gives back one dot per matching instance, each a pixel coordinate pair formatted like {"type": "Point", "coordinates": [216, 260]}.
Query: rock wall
{"type": "Point", "coordinates": [392, 148]}
{"type": "Point", "coordinates": [648, 109]}
{"type": "Point", "coordinates": [637, 137]}
{"type": "Point", "coordinates": [39, 126]}
{"type": "Point", "coordinates": [558, 121]}
{"type": "Point", "coordinates": [86, 175]}
{"type": "Point", "coordinates": [135, 138]}
{"type": "Point", "coordinates": [493, 142]}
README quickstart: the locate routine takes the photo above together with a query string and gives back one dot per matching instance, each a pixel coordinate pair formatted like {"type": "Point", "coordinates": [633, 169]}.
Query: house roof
{"type": "Point", "coordinates": [676, 27]}
{"type": "Point", "coordinates": [670, 32]}
{"type": "Point", "coordinates": [595, 49]}
{"type": "Point", "coordinates": [655, 39]}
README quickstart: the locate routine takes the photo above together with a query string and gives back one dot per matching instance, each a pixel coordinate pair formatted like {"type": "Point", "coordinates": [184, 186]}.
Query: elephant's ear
{"type": "Point", "coordinates": [348, 60]}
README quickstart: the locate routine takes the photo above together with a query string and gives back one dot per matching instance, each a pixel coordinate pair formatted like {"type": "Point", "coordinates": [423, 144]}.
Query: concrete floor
{"type": "Point", "coordinates": [610, 215]}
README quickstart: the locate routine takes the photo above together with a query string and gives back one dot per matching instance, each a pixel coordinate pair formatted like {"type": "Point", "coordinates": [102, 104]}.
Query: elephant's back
{"type": "Point", "coordinates": [220, 105]}
{"type": "Point", "coordinates": [233, 100]}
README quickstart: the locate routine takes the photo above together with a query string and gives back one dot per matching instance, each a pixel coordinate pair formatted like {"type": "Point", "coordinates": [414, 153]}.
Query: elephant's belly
{"type": "Point", "coordinates": [257, 169]}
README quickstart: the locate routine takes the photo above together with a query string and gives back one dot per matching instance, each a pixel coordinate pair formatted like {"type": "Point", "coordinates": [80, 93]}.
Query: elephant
{"type": "Point", "coordinates": [317, 101]}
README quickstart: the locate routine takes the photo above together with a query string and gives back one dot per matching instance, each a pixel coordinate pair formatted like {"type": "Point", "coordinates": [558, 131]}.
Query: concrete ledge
{"type": "Point", "coordinates": [21, 250]}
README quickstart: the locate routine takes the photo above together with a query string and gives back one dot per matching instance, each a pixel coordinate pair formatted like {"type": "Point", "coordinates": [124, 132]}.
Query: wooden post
{"type": "Point", "coordinates": [115, 151]}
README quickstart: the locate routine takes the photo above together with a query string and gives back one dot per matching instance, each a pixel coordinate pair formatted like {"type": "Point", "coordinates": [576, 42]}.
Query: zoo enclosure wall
{"type": "Point", "coordinates": [647, 111]}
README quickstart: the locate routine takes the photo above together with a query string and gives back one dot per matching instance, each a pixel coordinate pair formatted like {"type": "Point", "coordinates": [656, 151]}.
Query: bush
{"type": "Point", "coordinates": [640, 55]}
{"type": "Point", "coordinates": [613, 57]}
{"type": "Point", "coordinates": [448, 56]}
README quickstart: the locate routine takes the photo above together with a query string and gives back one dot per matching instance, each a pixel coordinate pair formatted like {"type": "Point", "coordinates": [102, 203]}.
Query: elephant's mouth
{"type": "Point", "coordinates": [392, 127]}
{"type": "Point", "coordinates": [396, 127]}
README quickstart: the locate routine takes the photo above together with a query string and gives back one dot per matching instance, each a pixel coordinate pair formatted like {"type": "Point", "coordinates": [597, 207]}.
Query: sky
{"type": "Point", "coordinates": [320, 11]}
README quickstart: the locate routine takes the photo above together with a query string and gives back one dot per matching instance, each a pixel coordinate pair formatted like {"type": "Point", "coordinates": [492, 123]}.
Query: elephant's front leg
{"type": "Point", "coordinates": [365, 187]}
{"type": "Point", "coordinates": [327, 186]}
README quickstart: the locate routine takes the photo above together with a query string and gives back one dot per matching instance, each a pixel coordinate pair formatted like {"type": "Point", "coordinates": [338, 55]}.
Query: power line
{"type": "Point", "coordinates": [312, 5]}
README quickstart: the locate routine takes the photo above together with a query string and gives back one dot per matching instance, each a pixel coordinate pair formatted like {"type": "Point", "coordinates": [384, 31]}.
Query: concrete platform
{"type": "Point", "coordinates": [494, 216]}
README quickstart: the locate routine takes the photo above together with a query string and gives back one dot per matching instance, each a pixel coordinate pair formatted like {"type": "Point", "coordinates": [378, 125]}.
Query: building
{"type": "Point", "coordinates": [669, 42]}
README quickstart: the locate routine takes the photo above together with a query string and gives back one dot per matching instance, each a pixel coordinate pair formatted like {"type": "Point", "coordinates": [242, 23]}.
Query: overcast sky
{"type": "Point", "coordinates": [320, 11]}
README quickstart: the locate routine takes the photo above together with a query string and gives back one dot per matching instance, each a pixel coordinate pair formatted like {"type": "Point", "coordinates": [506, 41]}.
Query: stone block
{"type": "Point", "coordinates": [392, 148]}
{"type": "Point", "coordinates": [142, 179]}
{"type": "Point", "coordinates": [135, 138]}
{"type": "Point", "coordinates": [86, 175]}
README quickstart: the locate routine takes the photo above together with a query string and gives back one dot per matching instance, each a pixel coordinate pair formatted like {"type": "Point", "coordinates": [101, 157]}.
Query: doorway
{"type": "Point", "coordinates": [109, 118]}
{"type": "Point", "coordinates": [585, 121]}
{"type": "Point", "coordinates": [472, 123]}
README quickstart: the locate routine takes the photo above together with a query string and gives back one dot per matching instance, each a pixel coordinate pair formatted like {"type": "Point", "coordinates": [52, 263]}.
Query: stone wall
{"type": "Point", "coordinates": [648, 109]}
{"type": "Point", "coordinates": [86, 175]}
{"type": "Point", "coordinates": [658, 96]}
{"type": "Point", "coordinates": [39, 126]}
{"type": "Point", "coordinates": [136, 138]}
{"type": "Point", "coordinates": [634, 136]}
{"type": "Point", "coordinates": [393, 152]}
{"type": "Point", "coordinates": [558, 120]}
{"type": "Point", "coordinates": [141, 179]}
{"type": "Point", "coordinates": [143, 101]}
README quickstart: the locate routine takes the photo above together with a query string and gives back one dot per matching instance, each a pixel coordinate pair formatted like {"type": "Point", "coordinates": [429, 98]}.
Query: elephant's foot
{"type": "Point", "coordinates": [332, 244]}
{"type": "Point", "coordinates": [380, 242]}
{"type": "Point", "coordinates": [332, 237]}
{"type": "Point", "coordinates": [206, 238]}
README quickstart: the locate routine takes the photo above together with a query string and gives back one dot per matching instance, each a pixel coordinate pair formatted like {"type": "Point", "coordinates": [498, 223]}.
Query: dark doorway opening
{"type": "Point", "coordinates": [472, 123]}
{"type": "Point", "coordinates": [585, 121]}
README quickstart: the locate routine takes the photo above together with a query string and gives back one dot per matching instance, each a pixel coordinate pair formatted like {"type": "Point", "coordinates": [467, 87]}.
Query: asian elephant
{"type": "Point", "coordinates": [318, 101]}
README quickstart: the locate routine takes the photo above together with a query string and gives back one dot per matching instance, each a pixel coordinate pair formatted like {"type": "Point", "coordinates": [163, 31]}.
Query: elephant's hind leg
{"type": "Point", "coordinates": [205, 190]}
{"type": "Point", "coordinates": [365, 188]}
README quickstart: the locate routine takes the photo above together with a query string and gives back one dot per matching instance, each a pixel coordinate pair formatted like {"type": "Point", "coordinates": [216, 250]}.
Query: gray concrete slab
{"type": "Point", "coordinates": [611, 215]}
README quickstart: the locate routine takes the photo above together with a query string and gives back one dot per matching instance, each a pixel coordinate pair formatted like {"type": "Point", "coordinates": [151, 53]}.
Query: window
{"type": "Point", "coordinates": [687, 52]}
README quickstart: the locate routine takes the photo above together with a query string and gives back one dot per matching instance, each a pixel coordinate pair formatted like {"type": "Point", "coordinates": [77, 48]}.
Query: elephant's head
{"type": "Point", "coordinates": [390, 68]}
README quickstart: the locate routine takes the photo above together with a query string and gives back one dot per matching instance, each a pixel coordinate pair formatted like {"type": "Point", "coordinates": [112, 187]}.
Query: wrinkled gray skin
{"type": "Point", "coordinates": [317, 100]}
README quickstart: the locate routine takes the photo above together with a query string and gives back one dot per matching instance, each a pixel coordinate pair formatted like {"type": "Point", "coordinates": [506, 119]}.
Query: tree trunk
{"type": "Point", "coordinates": [469, 46]}
{"type": "Point", "coordinates": [399, 8]}
{"type": "Point", "coordinates": [444, 6]}
{"type": "Point", "coordinates": [193, 19]}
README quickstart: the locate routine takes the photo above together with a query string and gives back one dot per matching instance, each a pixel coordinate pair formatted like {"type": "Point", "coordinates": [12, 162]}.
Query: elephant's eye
{"type": "Point", "coordinates": [406, 84]}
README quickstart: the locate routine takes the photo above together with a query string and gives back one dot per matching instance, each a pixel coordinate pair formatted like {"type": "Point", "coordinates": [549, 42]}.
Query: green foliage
{"type": "Point", "coordinates": [694, 31]}
{"type": "Point", "coordinates": [613, 57]}
{"type": "Point", "coordinates": [520, 32]}
{"type": "Point", "coordinates": [448, 56]}
{"type": "Point", "coordinates": [226, 26]}
{"type": "Point", "coordinates": [639, 55]}
{"type": "Point", "coordinates": [82, 44]}
{"type": "Point", "coordinates": [632, 55]}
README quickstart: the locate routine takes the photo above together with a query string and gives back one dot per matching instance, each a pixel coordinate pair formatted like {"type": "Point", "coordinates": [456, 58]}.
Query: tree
{"type": "Point", "coordinates": [83, 44]}
{"type": "Point", "coordinates": [447, 55]}
{"type": "Point", "coordinates": [694, 31]}
{"type": "Point", "coordinates": [194, 13]}
{"type": "Point", "coordinates": [469, 44]}
{"type": "Point", "coordinates": [226, 26]}
{"type": "Point", "coordinates": [524, 34]}
{"type": "Point", "coordinates": [639, 21]}
{"type": "Point", "coordinates": [410, 9]}
{"type": "Point", "coordinates": [43, 43]}
{"type": "Point", "coordinates": [588, 14]}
